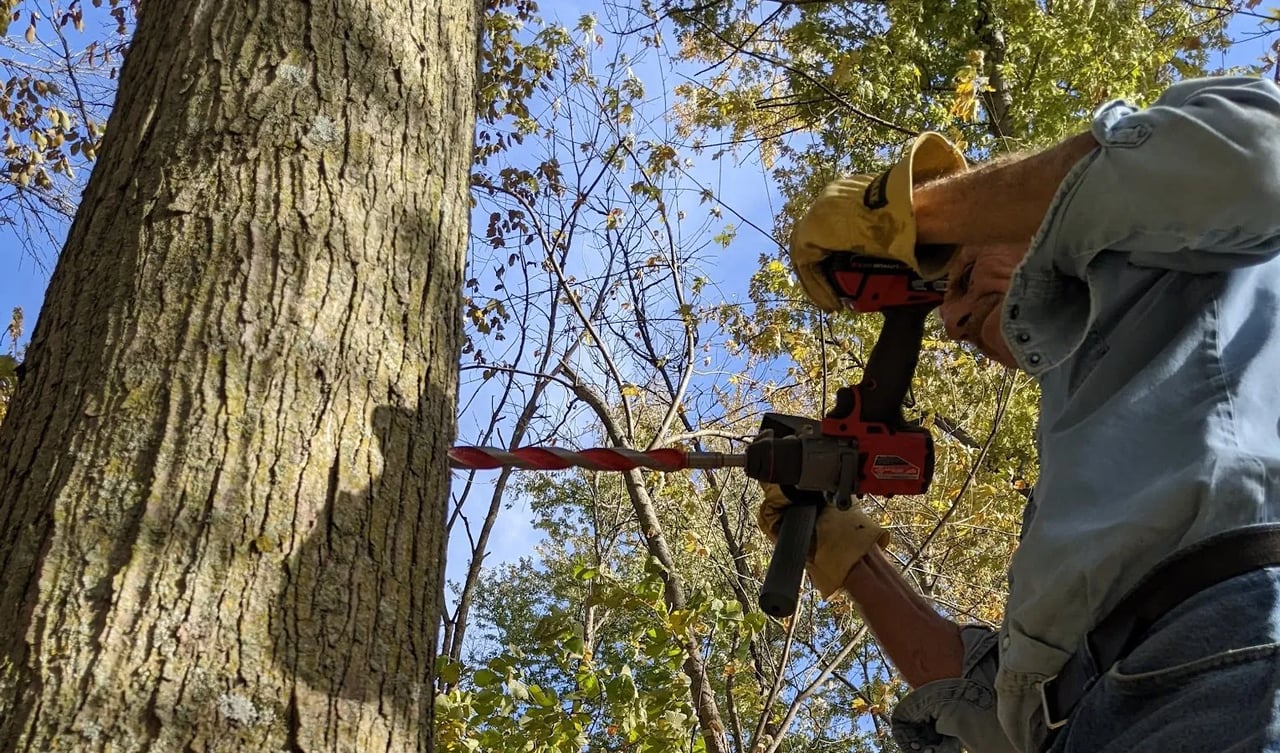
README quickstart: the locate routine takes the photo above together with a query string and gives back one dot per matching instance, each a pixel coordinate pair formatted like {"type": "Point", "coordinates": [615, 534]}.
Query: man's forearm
{"type": "Point", "coordinates": [921, 643]}
{"type": "Point", "coordinates": [1003, 202]}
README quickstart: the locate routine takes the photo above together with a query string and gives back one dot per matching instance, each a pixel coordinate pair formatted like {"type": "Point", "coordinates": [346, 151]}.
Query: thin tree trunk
{"type": "Point", "coordinates": [999, 100]}
{"type": "Point", "coordinates": [704, 697]}
{"type": "Point", "coordinates": [223, 479]}
{"type": "Point", "coordinates": [703, 694]}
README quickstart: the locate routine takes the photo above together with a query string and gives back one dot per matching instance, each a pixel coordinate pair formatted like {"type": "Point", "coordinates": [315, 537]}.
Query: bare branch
{"type": "Point", "coordinates": [814, 685]}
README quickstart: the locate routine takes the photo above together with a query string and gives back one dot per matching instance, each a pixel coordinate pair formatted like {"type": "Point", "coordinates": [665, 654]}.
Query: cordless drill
{"type": "Point", "coordinates": [863, 445]}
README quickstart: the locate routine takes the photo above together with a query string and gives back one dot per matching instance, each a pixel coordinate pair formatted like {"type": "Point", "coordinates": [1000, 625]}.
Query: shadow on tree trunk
{"type": "Point", "coordinates": [355, 608]}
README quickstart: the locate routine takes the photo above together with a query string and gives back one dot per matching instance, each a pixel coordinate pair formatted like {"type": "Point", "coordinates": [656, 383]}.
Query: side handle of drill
{"type": "Point", "coordinates": [780, 592]}
{"type": "Point", "coordinates": [792, 453]}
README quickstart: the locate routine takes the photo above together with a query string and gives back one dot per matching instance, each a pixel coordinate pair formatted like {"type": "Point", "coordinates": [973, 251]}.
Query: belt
{"type": "Point", "coordinates": [1175, 580]}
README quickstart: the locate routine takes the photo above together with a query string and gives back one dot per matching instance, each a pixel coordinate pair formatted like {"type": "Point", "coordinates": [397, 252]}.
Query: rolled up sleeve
{"type": "Point", "coordinates": [1191, 183]}
{"type": "Point", "coordinates": [945, 716]}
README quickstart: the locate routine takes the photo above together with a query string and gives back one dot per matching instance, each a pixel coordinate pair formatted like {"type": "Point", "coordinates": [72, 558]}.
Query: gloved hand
{"type": "Point", "coordinates": [873, 215]}
{"type": "Point", "coordinates": [841, 538]}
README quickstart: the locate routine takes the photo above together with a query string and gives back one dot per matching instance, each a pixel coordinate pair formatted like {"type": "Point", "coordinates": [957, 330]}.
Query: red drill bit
{"type": "Point", "coordinates": [596, 459]}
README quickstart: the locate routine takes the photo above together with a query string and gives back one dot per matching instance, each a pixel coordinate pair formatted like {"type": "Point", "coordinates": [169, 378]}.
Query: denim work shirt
{"type": "Point", "coordinates": [1148, 308]}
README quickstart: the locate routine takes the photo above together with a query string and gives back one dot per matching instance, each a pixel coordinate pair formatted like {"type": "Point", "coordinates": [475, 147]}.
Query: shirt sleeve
{"type": "Point", "coordinates": [1190, 184]}
{"type": "Point", "coordinates": [945, 716]}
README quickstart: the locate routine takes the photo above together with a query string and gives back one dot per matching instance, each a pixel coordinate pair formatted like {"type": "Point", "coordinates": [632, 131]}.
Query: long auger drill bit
{"type": "Point", "coordinates": [595, 459]}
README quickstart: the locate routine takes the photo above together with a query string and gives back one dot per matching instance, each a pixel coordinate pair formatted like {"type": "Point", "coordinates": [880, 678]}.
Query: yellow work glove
{"type": "Point", "coordinates": [840, 539]}
{"type": "Point", "coordinates": [873, 215]}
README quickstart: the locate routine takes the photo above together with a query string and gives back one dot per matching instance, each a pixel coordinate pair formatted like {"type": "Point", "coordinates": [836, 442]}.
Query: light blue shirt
{"type": "Point", "coordinates": [1148, 308]}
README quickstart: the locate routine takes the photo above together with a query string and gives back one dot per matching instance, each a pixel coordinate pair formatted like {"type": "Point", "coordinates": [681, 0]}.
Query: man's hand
{"type": "Point", "coordinates": [841, 538]}
{"type": "Point", "coordinates": [872, 215]}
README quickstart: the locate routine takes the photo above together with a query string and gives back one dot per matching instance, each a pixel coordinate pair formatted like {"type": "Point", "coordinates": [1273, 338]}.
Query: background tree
{"type": "Point", "coordinates": [617, 349]}
{"type": "Point", "coordinates": [605, 246]}
{"type": "Point", "coordinates": [9, 361]}
{"type": "Point", "coordinates": [222, 524]}
{"type": "Point", "coordinates": [59, 64]}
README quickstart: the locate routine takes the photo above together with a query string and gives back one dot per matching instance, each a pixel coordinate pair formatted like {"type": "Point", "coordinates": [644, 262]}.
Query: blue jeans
{"type": "Point", "coordinates": [1205, 679]}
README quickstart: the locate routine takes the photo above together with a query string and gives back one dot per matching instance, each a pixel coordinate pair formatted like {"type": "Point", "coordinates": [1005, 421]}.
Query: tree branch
{"type": "Point", "coordinates": [834, 95]}
{"type": "Point", "coordinates": [704, 701]}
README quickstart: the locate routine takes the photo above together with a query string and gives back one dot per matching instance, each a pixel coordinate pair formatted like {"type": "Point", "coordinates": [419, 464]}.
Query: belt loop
{"type": "Point", "coordinates": [1051, 719]}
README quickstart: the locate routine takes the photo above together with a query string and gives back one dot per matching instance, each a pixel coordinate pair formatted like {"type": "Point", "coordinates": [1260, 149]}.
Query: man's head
{"type": "Point", "coordinates": [978, 278]}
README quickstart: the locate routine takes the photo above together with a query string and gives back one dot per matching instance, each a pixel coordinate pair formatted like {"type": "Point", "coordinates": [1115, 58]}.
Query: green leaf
{"type": "Point", "coordinates": [589, 683]}
{"type": "Point", "coordinates": [544, 698]}
{"type": "Point", "coordinates": [574, 646]}
{"type": "Point", "coordinates": [725, 236]}
{"type": "Point", "coordinates": [447, 670]}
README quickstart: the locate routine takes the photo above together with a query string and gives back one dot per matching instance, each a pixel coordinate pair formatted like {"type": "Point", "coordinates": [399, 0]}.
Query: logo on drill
{"type": "Point", "coordinates": [886, 467]}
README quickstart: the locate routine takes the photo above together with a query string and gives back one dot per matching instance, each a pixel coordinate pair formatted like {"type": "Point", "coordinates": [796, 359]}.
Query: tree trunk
{"type": "Point", "coordinates": [989, 30]}
{"type": "Point", "coordinates": [224, 473]}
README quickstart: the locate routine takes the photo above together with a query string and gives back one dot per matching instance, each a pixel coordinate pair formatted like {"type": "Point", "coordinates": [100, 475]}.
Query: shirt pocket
{"type": "Point", "coordinates": [1092, 349]}
{"type": "Point", "coordinates": [1127, 136]}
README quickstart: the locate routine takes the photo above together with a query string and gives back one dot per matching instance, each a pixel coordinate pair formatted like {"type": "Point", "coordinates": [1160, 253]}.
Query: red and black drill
{"type": "Point", "coordinates": [863, 445]}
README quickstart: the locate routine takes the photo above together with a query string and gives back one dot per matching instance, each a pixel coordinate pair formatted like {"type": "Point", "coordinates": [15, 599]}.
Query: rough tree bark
{"type": "Point", "coordinates": [223, 478]}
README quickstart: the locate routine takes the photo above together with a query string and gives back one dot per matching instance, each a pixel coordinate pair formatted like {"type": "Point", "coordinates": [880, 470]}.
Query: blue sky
{"type": "Point", "coordinates": [23, 278]}
{"type": "Point", "coordinates": [27, 259]}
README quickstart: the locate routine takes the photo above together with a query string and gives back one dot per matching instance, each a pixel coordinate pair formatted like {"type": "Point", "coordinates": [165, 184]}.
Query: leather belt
{"type": "Point", "coordinates": [1172, 582]}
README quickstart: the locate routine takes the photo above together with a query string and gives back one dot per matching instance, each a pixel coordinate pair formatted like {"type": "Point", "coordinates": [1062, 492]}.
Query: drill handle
{"type": "Point", "coordinates": [889, 370]}
{"type": "Point", "coordinates": [781, 590]}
